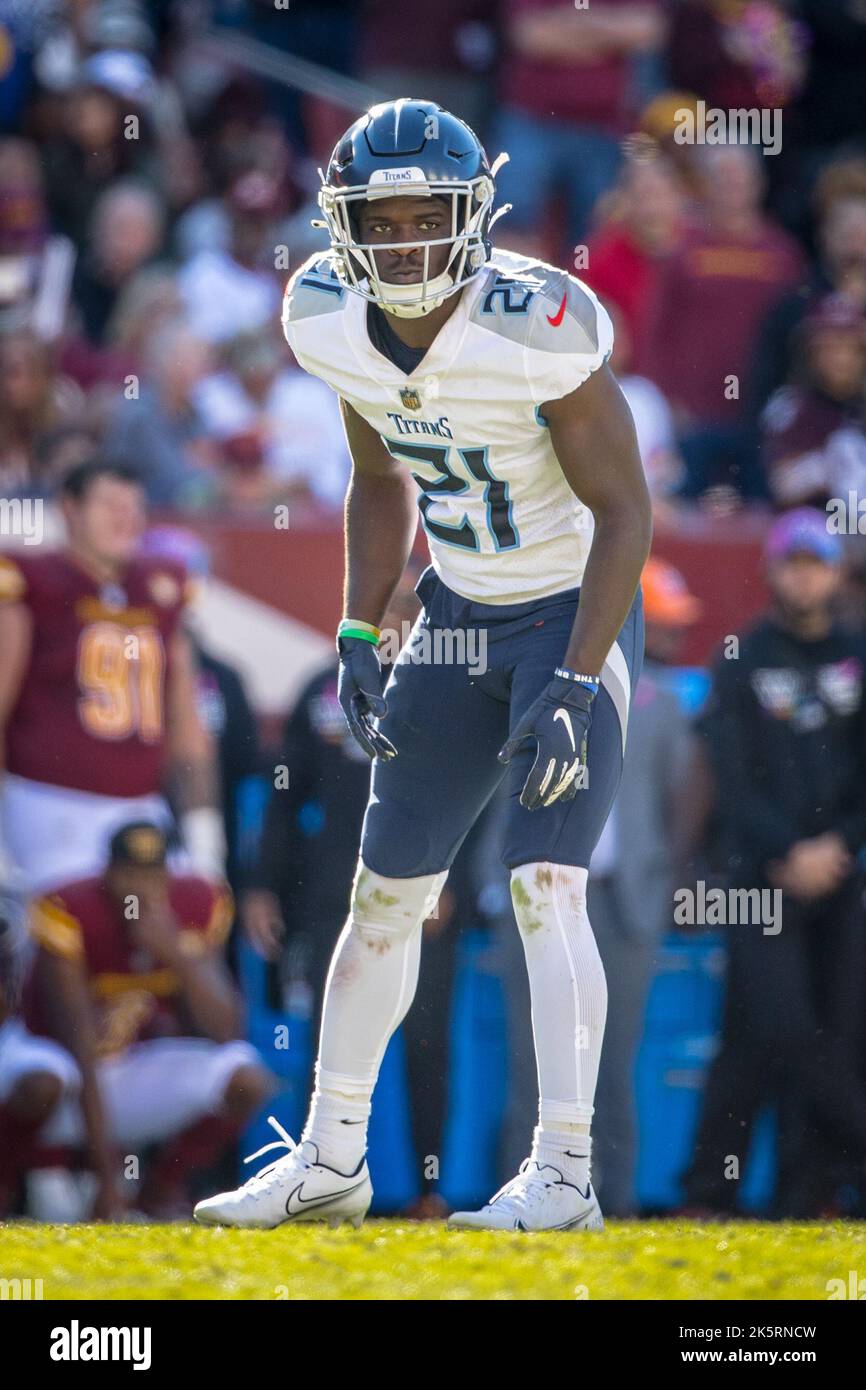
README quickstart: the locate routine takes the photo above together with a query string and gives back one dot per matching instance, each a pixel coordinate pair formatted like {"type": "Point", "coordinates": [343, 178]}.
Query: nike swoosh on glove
{"type": "Point", "coordinates": [559, 721]}
{"type": "Point", "coordinates": [359, 690]}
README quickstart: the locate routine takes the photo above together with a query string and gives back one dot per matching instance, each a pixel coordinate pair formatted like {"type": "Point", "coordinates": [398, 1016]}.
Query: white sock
{"type": "Point", "coordinates": [337, 1124]}
{"type": "Point", "coordinates": [569, 1009]}
{"type": "Point", "coordinates": [569, 1149]}
{"type": "Point", "coordinates": [371, 984]}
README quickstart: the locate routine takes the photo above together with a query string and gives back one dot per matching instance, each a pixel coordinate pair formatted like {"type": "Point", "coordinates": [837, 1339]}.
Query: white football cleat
{"type": "Point", "coordinates": [294, 1188]}
{"type": "Point", "coordinates": [538, 1199]}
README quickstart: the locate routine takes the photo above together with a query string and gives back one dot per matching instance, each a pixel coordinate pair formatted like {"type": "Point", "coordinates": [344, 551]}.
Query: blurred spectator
{"type": "Point", "coordinates": [146, 303]}
{"type": "Point", "coordinates": [83, 28]}
{"type": "Point", "coordinates": [564, 89]}
{"type": "Point", "coordinates": [839, 202]}
{"type": "Point", "coordinates": [745, 54]}
{"type": "Point", "coordinates": [237, 136]}
{"type": "Point", "coordinates": [644, 223]}
{"type": "Point", "coordinates": [455, 41]}
{"type": "Point", "coordinates": [632, 877]}
{"type": "Point", "coordinates": [236, 290]}
{"type": "Point", "coordinates": [802, 451]}
{"type": "Point", "coordinates": [660, 122]}
{"type": "Point", "coordinates": [832, 108]}
{"type": "Point", "coordinates": [851, 602]}
{"type": "Point", "coordinates": [96, 144]}
{"type": "Point", "coordinates": [25, 28]}
{"type": "Point", "coordinates": [34, 401]}
{"type": "Point", "coordinates": [326, 33]}
{"type": "Point", "coordinates": [292, 418]}
{"type": "Point", "coordinates": [839, 197]}
{"type": "Point", "coordinates": [653, 422]}
{"type": "Point", "coordinates": [129, 976]}
{"type": "Point", "coordinates": [59, 451]}
{"type": "Point", "coordinates": [160, 431]}
{"type": "Point", "coordinates": [785, 730]}
{"type": "Point", "coordinates": [125, 233]}
{"type": "Point", "coordinates": [23, 215]}
{"type": "Point", "coordinates": [725, 274]}
{"type": "Point", "coordinates": [35, 265]}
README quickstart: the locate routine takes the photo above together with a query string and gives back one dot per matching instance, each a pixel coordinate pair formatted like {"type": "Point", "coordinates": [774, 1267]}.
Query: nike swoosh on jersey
{"type": "Point", "coordinates": [558, 316]}
{"type": "Point", "coordinates": [325, 1201]}
{"type": "Point", "coordinates": [564, 715]}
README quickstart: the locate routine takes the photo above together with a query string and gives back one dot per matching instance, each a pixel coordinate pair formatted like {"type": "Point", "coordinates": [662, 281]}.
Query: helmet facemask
{"type": "Point", "coordinates": [470, 204]}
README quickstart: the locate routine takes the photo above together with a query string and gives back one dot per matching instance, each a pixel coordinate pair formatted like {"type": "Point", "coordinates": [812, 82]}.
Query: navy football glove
{"type": "Point", "coordinates": [559, 721]}
{"type": "Point", "coordinates": [359, 689]}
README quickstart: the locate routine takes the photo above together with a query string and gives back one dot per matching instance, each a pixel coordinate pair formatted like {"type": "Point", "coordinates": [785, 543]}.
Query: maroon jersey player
{"type": "Point", "coordinates": [130, 985]}
{"type": "Point", "coordinates": [97, 697]}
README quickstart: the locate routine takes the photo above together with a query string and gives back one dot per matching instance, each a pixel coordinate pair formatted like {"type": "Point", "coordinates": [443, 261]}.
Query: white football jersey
{"type": "Point", "coordinates": [502, 522]}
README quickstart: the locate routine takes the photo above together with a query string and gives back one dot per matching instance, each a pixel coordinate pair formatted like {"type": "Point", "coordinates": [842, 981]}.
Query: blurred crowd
{"type": "Point", "coordinates": [155, 195]}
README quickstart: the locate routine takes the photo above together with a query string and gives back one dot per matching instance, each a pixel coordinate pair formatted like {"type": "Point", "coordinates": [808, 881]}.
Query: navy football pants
{"type": "Point", "coordinates": [448, 720]}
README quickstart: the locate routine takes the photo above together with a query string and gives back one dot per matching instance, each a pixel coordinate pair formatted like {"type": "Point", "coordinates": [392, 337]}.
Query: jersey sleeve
{"type": "Point", "coordinates": [312, 295]}
{"type": "Point", "coordinates": [13, 581]}
{"type": "Point", "coordinates": [569, 336]}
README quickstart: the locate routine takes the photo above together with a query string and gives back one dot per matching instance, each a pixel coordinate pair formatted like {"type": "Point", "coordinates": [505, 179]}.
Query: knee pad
{"type": "Point", "coordinates": [392, 907]}
{"type": "Point", "coordinates": [542, 889]}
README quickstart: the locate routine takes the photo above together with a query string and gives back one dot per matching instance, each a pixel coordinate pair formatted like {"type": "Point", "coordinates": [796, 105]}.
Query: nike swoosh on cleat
{"type": "Point", "coordinates": [557, 318]}
{"type": "Point", "coordinates": [325, 1201]}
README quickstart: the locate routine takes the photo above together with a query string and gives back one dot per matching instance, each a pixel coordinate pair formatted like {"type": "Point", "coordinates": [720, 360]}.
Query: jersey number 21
{"type": "Point", "coordinates": [500, 523]}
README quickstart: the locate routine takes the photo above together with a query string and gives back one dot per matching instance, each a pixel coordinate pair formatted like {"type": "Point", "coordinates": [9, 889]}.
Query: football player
{"type": "Point", "coordinates": [475, 384]}
{"type": "Point", "coordinates": [97, 692]}
{"type": "Point", "coordinates": [129, 975]}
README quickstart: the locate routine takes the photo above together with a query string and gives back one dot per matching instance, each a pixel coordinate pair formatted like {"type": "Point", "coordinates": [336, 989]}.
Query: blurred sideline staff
{"type": "Point", "coordinates": [785, 733]}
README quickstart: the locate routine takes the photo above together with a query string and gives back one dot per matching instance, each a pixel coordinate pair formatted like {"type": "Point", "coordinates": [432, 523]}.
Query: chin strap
{"type": "Point", "coordinates": [392, 297]}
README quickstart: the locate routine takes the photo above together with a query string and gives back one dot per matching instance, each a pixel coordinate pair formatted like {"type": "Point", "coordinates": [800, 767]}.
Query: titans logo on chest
{"type": "Point", "coordinates": [403, 425]}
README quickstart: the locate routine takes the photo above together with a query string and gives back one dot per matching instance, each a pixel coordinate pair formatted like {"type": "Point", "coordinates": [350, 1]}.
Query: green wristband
{"type": "Point", "coordinates": [366, 631]}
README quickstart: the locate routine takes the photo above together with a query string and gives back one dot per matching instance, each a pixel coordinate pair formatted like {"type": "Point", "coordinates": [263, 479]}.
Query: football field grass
{"type": "Point", "coordinates": [402, 1260]}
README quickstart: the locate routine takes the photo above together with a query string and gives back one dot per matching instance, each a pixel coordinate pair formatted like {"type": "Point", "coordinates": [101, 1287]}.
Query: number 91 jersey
{"type": "Point", "coordinates": [502, 522]}
{"type": "Point", "coordinates": [91, 711]}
